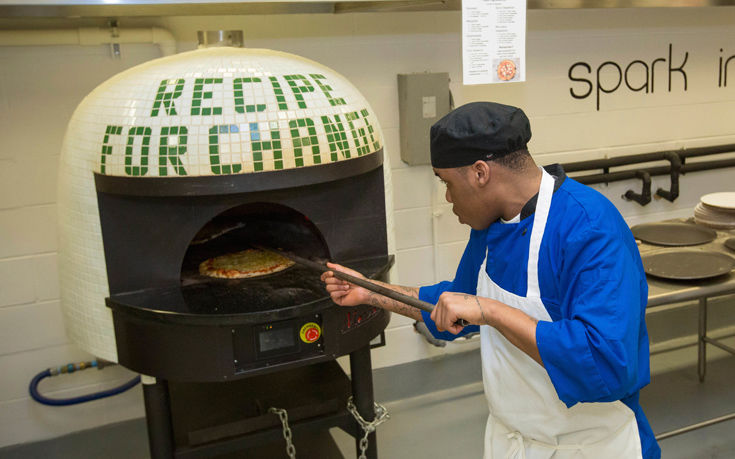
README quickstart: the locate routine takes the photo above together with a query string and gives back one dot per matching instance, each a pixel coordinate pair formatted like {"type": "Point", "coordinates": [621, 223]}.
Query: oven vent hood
{"type": "Point", "coordinates": [117, 8]}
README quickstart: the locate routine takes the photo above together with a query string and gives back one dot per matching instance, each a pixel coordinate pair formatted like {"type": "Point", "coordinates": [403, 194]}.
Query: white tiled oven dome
{"type": "Point", "coordinates": [209, 112]}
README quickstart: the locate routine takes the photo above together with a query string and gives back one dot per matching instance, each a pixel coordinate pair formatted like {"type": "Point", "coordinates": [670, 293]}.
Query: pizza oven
{"type": "Point", "coordinates": [209, 153]}
{"type": "Point", "coordinates": [164, 309]}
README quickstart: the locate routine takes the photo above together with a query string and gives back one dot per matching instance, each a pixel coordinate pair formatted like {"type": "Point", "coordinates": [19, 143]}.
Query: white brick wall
{"type": "Point", "coordinates": [40, 87]}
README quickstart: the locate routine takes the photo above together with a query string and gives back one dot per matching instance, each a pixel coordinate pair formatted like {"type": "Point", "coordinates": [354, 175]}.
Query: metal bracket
{"type": "Point", "coordinates": [114, 33]}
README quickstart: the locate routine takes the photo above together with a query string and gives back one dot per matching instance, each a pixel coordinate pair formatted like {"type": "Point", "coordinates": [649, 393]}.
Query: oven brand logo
{"type": "Point", "coordinates": [230, 121]}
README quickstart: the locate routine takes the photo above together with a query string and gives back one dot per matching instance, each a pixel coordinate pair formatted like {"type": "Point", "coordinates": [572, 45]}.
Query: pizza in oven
{"type": "Point", "coordinates": [245, 264]}
{"type": "Point", "coordinates": [506, 70]}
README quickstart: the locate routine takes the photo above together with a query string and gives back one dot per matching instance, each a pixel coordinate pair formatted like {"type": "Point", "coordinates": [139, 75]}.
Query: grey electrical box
{"type": "Point", "coordinates": [423, 98]}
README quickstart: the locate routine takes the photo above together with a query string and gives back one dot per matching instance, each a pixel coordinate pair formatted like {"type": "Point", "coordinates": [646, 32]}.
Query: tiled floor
{"type": "Point", "coordinates": [449, 423]}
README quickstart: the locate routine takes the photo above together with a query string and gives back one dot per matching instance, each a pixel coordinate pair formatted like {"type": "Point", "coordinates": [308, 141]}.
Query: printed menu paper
{"type": "Point", "coordinates": [493, 41]}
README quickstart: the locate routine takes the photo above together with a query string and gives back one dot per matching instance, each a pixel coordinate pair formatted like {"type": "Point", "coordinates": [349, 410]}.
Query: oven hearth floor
{"type": "Point", "coordinates": [450, 422]}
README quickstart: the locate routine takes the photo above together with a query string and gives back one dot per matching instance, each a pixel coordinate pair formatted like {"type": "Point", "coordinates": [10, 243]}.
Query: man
{"type": "Point", "coordinates": [553, 277]}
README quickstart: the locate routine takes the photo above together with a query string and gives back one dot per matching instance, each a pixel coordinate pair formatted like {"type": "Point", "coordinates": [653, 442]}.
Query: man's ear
{"type": "Point", "coordinates": [481, 172]}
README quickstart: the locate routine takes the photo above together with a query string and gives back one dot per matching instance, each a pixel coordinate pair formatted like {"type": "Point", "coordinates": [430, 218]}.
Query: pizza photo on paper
{"type": "Point", "coordinates": [506, 70]}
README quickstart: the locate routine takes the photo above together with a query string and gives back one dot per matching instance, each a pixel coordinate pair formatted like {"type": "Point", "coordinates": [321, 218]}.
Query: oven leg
{"type": "Point", "coordinates": [701, 341]}
{"type": "Point", "coordinates": [362, 392]}
{"type": "Point", "coordinates": [158, 417]}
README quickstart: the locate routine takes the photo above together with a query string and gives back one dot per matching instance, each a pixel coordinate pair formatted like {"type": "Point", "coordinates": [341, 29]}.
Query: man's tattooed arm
{"type": "Point", "coordinates": [376, 299]}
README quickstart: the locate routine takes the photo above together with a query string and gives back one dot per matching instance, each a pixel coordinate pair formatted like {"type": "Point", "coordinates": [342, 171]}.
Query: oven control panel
{"type": "Point", "coordinates": [276, 342]}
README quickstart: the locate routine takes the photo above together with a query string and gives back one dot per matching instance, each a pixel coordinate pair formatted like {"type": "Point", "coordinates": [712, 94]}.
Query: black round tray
{"type": "Point", "coordinates": [730, 243]}
{"type": "Point", "coordinates": [673, 234]}
{"type": "Point", "coordinates": [687, 264]}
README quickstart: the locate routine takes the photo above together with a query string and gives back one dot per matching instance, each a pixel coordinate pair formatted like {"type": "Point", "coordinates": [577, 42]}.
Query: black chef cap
{"type": "Point", "coordinates": [478, 131]}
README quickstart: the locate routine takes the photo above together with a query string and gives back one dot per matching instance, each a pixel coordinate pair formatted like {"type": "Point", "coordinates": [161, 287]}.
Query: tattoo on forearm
{"type": "Point", "coordinates": [477, 300]}
{"type": "Point", "coordinates": [482, 313]}
{"type": "Point", "coordinates": [376, 299]}
{"type": "Point", "coordinates": [407, 290]}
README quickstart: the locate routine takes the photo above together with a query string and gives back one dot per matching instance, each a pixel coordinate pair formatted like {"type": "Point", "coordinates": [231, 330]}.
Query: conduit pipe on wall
{"type": "Point", "coordinates": [677, 166]}
{"type": "Point", "coordinates": [90, 36]}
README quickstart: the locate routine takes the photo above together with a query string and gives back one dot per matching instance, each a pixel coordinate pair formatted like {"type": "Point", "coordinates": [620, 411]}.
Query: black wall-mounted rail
{"type": "Point", "coordinates": [677, 166]}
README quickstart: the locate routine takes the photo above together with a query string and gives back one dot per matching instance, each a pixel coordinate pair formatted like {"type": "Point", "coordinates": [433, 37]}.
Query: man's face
{"type": "Point", "coordinates": [464, 196]}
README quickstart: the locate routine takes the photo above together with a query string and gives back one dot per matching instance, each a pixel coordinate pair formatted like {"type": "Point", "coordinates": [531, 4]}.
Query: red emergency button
{"type": "Point", "coordinates": [310, 332]}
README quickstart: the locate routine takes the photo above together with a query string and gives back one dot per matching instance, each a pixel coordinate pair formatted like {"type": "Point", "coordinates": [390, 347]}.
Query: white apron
{"type": "Point", "coordinates": [527, 419]}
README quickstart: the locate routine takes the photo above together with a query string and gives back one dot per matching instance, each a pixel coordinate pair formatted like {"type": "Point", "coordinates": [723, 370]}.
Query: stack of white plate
{"type": "Point", "coordinates": [716, 210]}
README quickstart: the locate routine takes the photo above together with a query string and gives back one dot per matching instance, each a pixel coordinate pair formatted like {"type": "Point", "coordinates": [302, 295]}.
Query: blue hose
{"type": "Point", "coordinates": [33, 389]}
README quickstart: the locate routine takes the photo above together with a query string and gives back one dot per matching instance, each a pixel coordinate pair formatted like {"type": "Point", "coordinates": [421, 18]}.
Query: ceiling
{"type": "Point", "coordinates": [152, 8]}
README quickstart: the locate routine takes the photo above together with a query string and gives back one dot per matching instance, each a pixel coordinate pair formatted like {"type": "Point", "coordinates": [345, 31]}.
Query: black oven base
{"type": "Point", "coordinates": [218, 354]}
{"type": "Point", "coordinates": [193, 420]}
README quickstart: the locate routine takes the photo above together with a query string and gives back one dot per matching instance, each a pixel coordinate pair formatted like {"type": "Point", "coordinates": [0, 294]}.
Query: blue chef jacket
{"type": "Point", "coordinates": [593, 285]}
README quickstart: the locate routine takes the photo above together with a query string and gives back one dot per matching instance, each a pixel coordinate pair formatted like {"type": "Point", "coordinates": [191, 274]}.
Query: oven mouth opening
{"type": "Point", "coordinates": [248, 227]}
{"type": "Point", "coordinates": [293, 292]}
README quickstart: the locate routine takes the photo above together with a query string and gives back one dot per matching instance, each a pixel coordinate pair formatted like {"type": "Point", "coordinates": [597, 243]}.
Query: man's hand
{"type": "Point", "coordinates": [454, 306]}
{"type": "Point", "coordinates": [518, 327]}
{"type": "Point", "coordinates": [346, 294]}
{"type": "Point", "coordinates": [342, 292]}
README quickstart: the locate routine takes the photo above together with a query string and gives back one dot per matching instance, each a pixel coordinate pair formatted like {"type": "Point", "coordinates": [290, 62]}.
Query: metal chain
{"type": "Point", "coordinates": [381, 415]}
{"type": "Point", "coordinates": [283, 416]}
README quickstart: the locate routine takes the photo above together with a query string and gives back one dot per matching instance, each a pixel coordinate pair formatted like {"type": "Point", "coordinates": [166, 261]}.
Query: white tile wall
{"type": "Point", "coordinates": [17, 281]}
{"type": "Point", "coordinates": [32, 326]}
{"type": "Point", "coordinates": [41, 86]}
{"type": "Point", "coordinates": [397, 321]}
{"type": "Point", "coordinates": [45, 277]}
{"type": "Point", "coordinates": [392, 143]}
{"type": "Point", "coordinates": [8, 182]}
{"type": "Point", "coordinates": [412, 187]}
{"type": "Point", "coordinates": [27, 181]}
{"type": "Point", "coordinates": [413, 227]}
{"type": "Point", "coordinates": [22, 421]}
{"type": "Point", "coordinates": [32, 362]}
{"type": "Point", "coordinates": [414, 347]}
{"type": "Point", "coordinates": [27, 231]}
{"type": "Point", "coordinates": [415, 266]}
{"type": "Point", "coordinates": [447, 227]}
{"type": "Point", "coordinates": [447, 259]}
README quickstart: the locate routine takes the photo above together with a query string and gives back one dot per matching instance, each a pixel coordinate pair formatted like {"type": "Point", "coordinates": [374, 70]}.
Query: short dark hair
{"type": "Point", "coordinates": [516, 161]}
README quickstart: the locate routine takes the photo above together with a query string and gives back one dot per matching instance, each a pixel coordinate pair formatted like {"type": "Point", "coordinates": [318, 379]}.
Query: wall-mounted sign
{"type": "Point", "coordinates": [493, 41]}
{"type": "Point", "coordinates": [665, 73]}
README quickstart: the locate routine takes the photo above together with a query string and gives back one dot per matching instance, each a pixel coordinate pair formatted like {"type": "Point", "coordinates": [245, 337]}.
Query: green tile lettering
{"type": "Point", "coordinates": [165, 97]}
{"type": "Point", "coordinates": [303, 134]}
{"type": "Point", "coordinates": [142, 169]}
{"type": "Point", "coordinates": [240, 106]}
{"type": "Point", "coordinates": [371, 129]}
{"type": "Point", "coordinates": [280, 98]}
{"type": "Point", "coordinates": [299, 85]}
{"type": "Point", "coordinates": [360, 133]}
{"type": "Point", "coordinates": [106, 147]}
{"type": "Point", "coordinates": [214, 159]}
{"type": "Point", "coordinates": [200, 94]}
{"type": "Point", "coordinates": [326, 89]}
{"type": "Point", "coordinates": [336, 137]}
{"type": "Point", "coordinates": [259, 146]}
{"type": "Point", "coordinates": [171, 153]}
